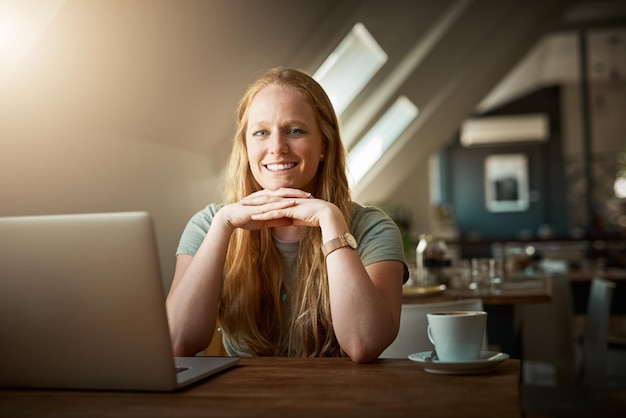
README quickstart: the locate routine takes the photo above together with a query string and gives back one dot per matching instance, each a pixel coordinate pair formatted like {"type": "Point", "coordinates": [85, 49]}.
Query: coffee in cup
{"type": "Point", "coordinates": [457, 335]}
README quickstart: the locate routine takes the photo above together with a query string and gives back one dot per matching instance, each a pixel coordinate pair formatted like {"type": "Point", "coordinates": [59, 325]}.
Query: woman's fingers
{"type": "Point", "coordinates": [303, 212]}
{"type": "Point", "coordinates": [271, 208]}
{"type": "Point", "coordinates": [265, 196]}
{"type": "Point", "coordinates": [240, 215]}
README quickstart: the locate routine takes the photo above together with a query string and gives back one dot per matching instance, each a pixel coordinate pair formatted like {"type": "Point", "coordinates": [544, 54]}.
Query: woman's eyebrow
{"type": "Point", "coordinates": [296, 122]}
{"type": "Point", "coordinates": [285, 123]}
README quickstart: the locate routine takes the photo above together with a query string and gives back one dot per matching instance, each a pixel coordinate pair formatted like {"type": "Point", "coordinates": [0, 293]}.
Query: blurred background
{"type": "Point", "coordinates": [117, 105]}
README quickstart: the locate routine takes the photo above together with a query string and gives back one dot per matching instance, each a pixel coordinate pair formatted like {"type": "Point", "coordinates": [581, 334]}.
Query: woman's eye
{"type": "Point", "coordinates": [259, 133]}
{"type": "Point", "coordinates": [296, 131]}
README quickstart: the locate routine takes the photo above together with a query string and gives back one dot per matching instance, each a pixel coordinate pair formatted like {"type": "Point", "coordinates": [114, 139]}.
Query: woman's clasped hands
{"type": "Point", "coordinates": [276, 208]}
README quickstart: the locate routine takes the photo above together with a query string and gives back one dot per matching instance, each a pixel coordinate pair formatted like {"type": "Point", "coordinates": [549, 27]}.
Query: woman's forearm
{"type": "Point", "coordinates": [365, 302]}
{"type": "Point", "coordinates": [194, 295]}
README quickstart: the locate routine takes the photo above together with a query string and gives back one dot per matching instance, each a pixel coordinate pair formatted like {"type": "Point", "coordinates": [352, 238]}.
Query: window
{"type": "Point", "coordinates": [344, 74]}
{"type": "Point", "coordinates": [378, 139]}
{"type": "Point", "coordinates": [349, 68]}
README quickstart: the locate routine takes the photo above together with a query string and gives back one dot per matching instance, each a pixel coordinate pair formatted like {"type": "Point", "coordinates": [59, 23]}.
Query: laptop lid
{"type": "Point", "coordinates": [82, 306]}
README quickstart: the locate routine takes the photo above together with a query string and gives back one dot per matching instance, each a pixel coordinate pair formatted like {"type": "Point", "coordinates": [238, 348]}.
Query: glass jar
{"type": "Point", "coordinates": [432, 261]}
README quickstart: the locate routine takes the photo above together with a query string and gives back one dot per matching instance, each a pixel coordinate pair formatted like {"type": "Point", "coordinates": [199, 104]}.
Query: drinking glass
{"type": "Point", "coordinates": [487, 275]}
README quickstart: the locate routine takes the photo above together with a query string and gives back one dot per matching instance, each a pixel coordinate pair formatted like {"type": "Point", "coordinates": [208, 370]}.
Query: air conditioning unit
{"type": "Point", "coordinates": [505, 129]}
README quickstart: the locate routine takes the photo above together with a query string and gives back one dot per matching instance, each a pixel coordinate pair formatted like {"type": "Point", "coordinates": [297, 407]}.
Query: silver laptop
{"type": "Point", "coordinates": [82, 306]}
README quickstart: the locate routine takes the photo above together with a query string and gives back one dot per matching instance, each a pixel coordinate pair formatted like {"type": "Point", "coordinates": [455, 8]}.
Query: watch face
{"type": "Point", "coordinates": [350, 240]}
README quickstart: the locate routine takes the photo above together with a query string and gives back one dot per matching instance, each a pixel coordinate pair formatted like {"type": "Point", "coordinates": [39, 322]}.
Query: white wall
{"type": "Point", "coordinates": [48, 168]}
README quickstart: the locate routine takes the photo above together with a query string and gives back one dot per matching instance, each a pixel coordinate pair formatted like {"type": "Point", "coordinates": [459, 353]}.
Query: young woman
{"type": "Point", "coordinates": [289, 264]}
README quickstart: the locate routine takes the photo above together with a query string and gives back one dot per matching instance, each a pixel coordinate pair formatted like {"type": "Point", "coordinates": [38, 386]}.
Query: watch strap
{"type": "Point", "coordinates": [337, 243]}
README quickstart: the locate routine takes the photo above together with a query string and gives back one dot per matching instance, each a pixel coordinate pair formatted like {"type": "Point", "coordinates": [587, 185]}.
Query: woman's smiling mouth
{"type": "Point", "coordinates": [280, 167]}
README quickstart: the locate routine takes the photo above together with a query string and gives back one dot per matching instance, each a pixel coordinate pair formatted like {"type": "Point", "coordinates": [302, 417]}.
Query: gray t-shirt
{"type": "Point", "coordinates": [377, 236]}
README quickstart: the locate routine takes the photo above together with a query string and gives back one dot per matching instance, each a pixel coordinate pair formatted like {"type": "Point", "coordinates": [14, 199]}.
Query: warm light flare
{"type": "Point", "coordinates": [8, 17]}
{"type": "Point", "coordinates": [21, 24]}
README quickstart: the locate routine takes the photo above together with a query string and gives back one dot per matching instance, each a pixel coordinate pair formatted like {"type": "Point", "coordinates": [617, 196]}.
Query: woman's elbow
{"type": "Point", "coordinates": [180, 348]}
{"type": "Point", "coordinates": [183, 346]}
{"type": "Point", "coordinates": [363, 358]}
{"type": "Point", "coordinates": [361, 354]}
{"type": "Point", "coordinates": [368, 351]}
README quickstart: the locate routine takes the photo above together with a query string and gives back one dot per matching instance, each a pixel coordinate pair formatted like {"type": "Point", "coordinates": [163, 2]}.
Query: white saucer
{"type": "Point", "coordinates": [488, 360]}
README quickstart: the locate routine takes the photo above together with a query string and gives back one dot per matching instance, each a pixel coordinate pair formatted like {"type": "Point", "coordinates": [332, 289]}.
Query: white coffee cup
{"type": "Point", "coordinates": [457, 335]}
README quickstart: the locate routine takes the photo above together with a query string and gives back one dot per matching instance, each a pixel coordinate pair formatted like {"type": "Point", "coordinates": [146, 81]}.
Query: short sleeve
{"type": "Point", "coordinates": [378, 237]}
{"type": "Point", "coordinates": [196, 229]}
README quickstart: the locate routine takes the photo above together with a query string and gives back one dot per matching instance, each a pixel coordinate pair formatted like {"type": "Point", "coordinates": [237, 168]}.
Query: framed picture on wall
{"type": "Point", "coordinates": [506, 183]}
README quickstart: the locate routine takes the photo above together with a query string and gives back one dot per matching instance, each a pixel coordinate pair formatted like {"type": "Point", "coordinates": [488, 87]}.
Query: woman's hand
{"type": "Point", "coordinates": [297, 207]}
{"type": "Point", "coordinates": [282, 207]}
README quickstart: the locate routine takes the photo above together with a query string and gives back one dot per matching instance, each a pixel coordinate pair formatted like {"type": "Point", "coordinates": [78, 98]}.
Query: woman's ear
{"type": "Point", "coordinates": [324, 150]}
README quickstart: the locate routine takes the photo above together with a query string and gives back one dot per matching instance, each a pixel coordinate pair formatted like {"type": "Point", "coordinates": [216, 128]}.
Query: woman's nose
{"type": "Point", "coordinates": [278, 144]}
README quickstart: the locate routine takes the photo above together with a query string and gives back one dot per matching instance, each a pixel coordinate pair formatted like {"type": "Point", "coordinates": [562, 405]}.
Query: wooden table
{"type": "Point", "coordinates": [289, 387]}
{"type": "Point", "coordinates": [513, 292]}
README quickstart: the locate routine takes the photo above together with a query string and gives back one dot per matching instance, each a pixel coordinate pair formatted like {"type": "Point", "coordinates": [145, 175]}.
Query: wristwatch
{"type": "Point", "coordinates": [344, 240]}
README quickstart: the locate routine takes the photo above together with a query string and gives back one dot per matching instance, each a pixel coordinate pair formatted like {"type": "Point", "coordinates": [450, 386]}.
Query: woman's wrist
{"type": "Point", "coordinates": [221, 219]}
{"type": "Point", "coordinates": [332, 223]}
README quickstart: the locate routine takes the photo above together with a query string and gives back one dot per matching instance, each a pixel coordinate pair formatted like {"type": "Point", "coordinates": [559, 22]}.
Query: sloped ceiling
{"type": "Point", "coordinates": [159, 70]}
{"type": "Point", "coordinates": [492, 52]}
{"type": "Point", "coordinates": [109, 105]}
{"type": "Point", "coordinates": [475, 53]}
{"type": "Point", "coordinates": [172, 71]}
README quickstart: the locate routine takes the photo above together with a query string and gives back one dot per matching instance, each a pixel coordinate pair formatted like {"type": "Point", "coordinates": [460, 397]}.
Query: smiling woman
{"type": "Point", "coordinates": [289, 264]}
{"type": "Point", "coordinates": [284, 143]}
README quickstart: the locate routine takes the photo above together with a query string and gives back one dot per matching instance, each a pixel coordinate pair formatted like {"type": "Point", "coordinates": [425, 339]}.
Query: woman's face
{"type": "Point", "coordinates": [283, 139]}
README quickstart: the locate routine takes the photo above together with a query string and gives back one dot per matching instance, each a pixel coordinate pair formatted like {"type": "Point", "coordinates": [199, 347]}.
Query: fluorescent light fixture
{"type": "Point", "coordinates": [349, 68]}
{"type": "Point", "coordinates": [378, 139]}
{"type": "Point", "coordinates": [505, 129]}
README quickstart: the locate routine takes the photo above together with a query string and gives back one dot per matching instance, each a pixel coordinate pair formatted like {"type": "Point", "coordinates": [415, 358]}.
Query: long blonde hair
{"type": "Point", "coordinates": [250, 307]}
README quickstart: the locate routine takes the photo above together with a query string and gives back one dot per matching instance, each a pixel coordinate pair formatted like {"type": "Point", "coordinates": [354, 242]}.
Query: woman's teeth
{"type": "Point", "coordinates": [280, 167]}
